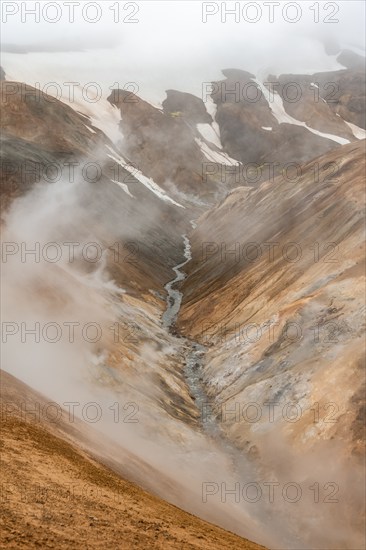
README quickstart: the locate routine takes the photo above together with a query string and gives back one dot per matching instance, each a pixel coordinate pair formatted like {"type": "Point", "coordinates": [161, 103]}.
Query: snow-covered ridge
{"type": "Point", "coordinates": [276, 105]}
{"type": "Point", "coordinates": [147, 182]}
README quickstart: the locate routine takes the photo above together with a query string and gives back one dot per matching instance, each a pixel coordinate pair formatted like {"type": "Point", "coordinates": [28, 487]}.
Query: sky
{"type": "Point", "coordinates": [182, 25]}
{"type": "Point", "coordinates": [180, 44]}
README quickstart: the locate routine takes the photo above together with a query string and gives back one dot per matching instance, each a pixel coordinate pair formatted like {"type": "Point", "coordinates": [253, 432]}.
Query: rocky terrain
{"type": "Point", "coordinates": [279, 302]}
{"type": "Point", "coordinates": [218, 255]}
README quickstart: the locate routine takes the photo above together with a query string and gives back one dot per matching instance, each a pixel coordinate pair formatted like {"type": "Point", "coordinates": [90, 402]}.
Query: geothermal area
{"type": "Point", "coordinates": [183, 281]}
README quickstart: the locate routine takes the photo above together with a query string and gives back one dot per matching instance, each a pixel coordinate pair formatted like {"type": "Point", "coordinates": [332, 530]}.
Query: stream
{"type": "Point", "coordinates": [195, 351]}
{"type": "Point", "coordinates": [193, 370]}
{"type": "Point", "coordinates": [174, 298]}
{"type": "Point", "coordinates": [240, 467]}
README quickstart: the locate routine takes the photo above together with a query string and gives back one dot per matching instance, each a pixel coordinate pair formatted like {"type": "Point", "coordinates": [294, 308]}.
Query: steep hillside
{"type": "Point", "coordinates": [275, 291]}
{"type": "Point", "coordinates": [55, 495]}
{"type": "Point", "coordinates": [46, 141]}
{"type": "Point", "coordinates": [275, 288]}
{"type": "Point", "coordinates": [115, 214]}
{"type": "Point", "coordinates": [168, 145]}
{"type": "Point", "coordinates": [126, 234]}
{"type": "Point", "coordinates": [289, 119]}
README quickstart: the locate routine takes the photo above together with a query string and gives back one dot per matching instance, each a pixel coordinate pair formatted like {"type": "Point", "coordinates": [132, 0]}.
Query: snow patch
{"type": "Point", "coordinates": [218, 157]}
{"type": "Point", "coordinates": [337, 139]}
{"type": "Point", "coordinates": [147, 182]}
{"type": "Point", "coordinates": [211, 108]}
{"type": "Point", "coordinates": [268, 128]}
{"type": "Point", "coordinates": [106, 117]}
{"type": "Point", "coordinates": [276, 105]}
{"type": "Point", "coordinates": [358, 132]}
{"type": "Point", "coordinates": [124, 187]}
{"type": "Point", "coordinates": [90, 129]}
{"type": "Point", "coordinates": [208, 132]}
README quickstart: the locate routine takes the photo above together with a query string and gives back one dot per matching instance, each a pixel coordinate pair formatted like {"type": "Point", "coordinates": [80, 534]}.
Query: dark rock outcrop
{"type": "Point", "coordinates": [251, 133]}
{"type": "Point", "coordinates": [187, 105]}
{"type": "Point", "coordinates": [351, 60]}
{"type": "Point", "coordinates": [164, 147]}
{"type": "Point", "coordinates": [343, 92]}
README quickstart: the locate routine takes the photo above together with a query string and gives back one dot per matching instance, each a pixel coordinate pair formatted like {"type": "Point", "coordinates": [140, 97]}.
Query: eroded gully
{"type": "Point", "coordinates": [194, 361]}
{"type": "Point", "coordinates": [240, 467]}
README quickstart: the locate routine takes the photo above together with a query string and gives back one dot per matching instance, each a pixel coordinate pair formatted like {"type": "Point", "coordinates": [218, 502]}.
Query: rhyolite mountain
{"type": "Point", "coordinates": [263, 203]}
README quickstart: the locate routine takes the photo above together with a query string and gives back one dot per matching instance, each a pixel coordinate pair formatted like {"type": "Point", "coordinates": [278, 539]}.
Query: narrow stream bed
{"type": "Point", "coordinates": [174, 298]}
{"type": "Point", "coordinates": [194, 362]}
{"type": "Point", "coordinates": [240, 466]}
{"type": "Point", "coordinates": [195, 351]}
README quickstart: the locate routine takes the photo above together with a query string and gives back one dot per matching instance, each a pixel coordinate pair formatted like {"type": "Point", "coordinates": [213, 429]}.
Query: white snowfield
{"type": "Point", "coordinates": [276, 105]}
{"type": "Point", "coordinates": [106, 117]}
{"type": "Point", "coordinates": [208, 132]}
{"type": "Point", "coordinates": [124, 187]}
{"type": "Point", "coordinates": [65, 76]}
{"type": "Point", "coordinates": [358, 132]}
{"type": "Point", "coordinates": [147, 182]}
{"type": "Point", "coordinates": [211, 108]}
{"type": "Point", "coordinates": [210, 105]}
{"type": "Point", "coordinates": [90, 129]}
{"type": "Point", "coordinates": [215, 156]}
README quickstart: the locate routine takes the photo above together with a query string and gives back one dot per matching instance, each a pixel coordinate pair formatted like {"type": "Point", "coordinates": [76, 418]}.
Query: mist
{"type": "Point", "coordinates": [169, 46]}
{"type": "Point", "coordinates": [61, 314]}
{"type": "Point", "coordinates": [65, 365]}
{"type": "Point", "coordinates": [76, 371]}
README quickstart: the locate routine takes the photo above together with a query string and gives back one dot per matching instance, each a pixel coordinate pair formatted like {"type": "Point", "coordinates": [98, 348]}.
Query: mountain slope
{"type": "Point", "coordinates": [286, 253]}
{"type": "Point", "coordinates": [272, 304]}
{"type": "Point", "coordinates": [275, 291]}
{"type": "Point", "coordinates": [64, 498]}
